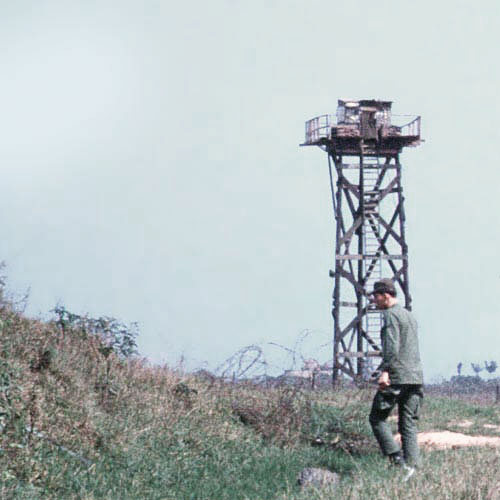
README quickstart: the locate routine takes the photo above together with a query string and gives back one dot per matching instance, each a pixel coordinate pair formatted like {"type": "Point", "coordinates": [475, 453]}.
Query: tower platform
{"type": "Point", "coordinates": [369, 120]}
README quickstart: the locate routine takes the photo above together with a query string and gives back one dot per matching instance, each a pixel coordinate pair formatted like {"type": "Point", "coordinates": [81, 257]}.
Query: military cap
{"type": "Point", "coordinates": [385, 285]}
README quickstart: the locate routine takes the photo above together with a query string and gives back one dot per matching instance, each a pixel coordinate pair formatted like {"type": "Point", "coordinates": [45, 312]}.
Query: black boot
{"type": "Point", "coordinates": [397, 459]}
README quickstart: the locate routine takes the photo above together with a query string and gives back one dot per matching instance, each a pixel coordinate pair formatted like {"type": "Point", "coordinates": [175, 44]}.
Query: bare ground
{"type": "Point", "coordinates": [448, 439]}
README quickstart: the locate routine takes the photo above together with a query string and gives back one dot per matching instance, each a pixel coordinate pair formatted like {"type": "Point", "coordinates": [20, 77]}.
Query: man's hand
{"type": "Point", "coordinates": [384, 381]}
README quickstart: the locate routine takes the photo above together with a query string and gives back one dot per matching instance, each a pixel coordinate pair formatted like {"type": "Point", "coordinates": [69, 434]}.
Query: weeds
{"type": "Point", "coordinates": [82, 417]}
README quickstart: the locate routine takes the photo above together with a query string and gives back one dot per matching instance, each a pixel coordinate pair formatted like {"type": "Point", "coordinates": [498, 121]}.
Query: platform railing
{"type": "Point", "coordinates": [320, 127]}
{"type": "Point", "coordinates": [408, 125]}
{"type": "Point", "coordinates": [412, 128]}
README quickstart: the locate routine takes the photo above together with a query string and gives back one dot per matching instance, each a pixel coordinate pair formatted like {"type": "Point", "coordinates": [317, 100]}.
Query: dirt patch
{"type": "Point", "coordinates": [469, 423]}
{"type": "Point", "coordinates": [492, 426]}
{"type": "Point", "coordinates": [464, 423]}
{"type": "Point", "coordinates": [447, 439]}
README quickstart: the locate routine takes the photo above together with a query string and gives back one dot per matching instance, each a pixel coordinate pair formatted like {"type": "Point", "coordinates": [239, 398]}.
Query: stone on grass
{"type": "Point", "coordinates": [318, 478]}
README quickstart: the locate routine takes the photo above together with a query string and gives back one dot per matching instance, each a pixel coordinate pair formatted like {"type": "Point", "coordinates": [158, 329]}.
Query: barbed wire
{"type": "Point", "coordinates": [252, 361]}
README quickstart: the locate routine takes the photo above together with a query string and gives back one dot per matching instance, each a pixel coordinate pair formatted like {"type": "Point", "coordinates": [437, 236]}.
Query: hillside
{"type": "Point", "coordinates": [84, 417]}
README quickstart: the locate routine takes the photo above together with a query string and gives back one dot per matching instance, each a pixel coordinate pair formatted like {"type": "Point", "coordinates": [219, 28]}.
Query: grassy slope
{"type": "Point", "coordinates": [78, 425]}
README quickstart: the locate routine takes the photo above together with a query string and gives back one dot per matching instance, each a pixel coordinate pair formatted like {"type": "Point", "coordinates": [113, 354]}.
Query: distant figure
{"type": "Point", "coordinates": [400, 381]}
{"type": "Point", "coordinates": [459, 368]}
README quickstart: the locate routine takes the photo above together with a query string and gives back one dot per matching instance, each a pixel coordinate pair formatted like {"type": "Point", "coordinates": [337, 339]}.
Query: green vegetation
{"type": "Point", "coordinates": [82, 417]}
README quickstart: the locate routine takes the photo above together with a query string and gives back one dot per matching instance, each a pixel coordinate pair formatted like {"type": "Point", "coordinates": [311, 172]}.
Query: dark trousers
{"type": "Point", "coordinates": [408, 398]}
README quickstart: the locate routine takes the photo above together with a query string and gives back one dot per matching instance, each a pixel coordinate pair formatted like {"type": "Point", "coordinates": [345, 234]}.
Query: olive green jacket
{"type": "Point", "coordinates": [400, 352]}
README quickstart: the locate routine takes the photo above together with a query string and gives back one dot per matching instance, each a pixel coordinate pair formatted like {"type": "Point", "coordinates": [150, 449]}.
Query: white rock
{"type": "Point", "coordinates": [318, 478]}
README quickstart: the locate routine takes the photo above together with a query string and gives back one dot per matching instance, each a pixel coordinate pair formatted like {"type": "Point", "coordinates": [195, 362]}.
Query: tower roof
{"type": "Point", "coordinates": [370, 103]}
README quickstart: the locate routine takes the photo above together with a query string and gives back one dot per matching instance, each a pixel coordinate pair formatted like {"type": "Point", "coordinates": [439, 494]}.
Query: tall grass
{"type": "Point", "coordinates": [78, 421]}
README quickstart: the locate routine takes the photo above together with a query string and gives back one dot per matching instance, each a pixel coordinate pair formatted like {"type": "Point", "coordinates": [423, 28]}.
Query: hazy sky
{"type": "Point", "coordinates": [151, 167]}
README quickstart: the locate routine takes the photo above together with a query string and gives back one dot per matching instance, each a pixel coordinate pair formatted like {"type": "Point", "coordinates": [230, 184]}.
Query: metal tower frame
{"type": "Point", "coordinates": [363, 147]}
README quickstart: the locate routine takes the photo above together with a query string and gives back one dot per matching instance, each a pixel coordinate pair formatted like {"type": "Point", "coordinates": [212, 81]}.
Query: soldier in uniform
{"type": "Point", "coordinates": [400, 380]}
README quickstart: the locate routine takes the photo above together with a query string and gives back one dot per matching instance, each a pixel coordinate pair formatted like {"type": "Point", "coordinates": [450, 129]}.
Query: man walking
{"type": "Point", "coordinates": [400, 381]}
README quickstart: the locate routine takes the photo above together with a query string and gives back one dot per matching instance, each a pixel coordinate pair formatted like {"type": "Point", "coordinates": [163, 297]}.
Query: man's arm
{"type": "Point", "coordinates": [390, 348]}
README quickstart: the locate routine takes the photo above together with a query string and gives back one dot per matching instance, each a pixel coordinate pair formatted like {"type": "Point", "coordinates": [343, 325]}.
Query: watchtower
{"type": "Point", "coordinates": [363, 142]}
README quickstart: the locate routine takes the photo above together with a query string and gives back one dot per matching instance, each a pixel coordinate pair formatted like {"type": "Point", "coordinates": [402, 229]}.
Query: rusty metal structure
{"type": "Point", "coordinates": [363, 142]}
